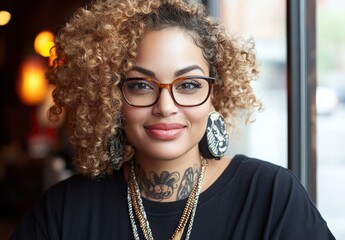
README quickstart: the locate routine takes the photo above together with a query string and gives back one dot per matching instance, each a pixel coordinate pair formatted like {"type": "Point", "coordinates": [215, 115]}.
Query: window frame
{"type": "Point", "coordinates": [301, 85]}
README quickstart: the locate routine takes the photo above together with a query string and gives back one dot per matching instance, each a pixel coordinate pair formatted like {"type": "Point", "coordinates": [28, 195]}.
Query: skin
{"type": "Point", "coordinates": [168, 162]}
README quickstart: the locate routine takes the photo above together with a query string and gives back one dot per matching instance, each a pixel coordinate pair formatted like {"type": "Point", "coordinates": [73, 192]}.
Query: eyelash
{"type": "Point", "coordinates": [194, 83]}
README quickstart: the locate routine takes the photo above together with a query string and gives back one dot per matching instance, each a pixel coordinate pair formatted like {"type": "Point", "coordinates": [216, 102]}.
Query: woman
{"type": "Point", "coordinates": [146, 86]}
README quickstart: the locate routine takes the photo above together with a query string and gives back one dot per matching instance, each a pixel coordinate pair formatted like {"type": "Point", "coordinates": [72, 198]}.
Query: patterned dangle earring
{"type": "Point", "coordinates": [117, 147]}
{"type": "Point", "coordinates": [215, 141]}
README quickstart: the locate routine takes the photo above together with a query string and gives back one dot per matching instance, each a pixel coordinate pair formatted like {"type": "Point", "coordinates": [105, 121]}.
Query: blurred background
{"type": "Point", "coordinates": [34, 154]}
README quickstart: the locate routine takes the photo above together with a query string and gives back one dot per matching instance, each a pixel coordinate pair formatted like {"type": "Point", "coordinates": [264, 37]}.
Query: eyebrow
{"type": "Point", "coordinates": [176, 74]}
{"type": "Point", "coordinates": [188, 69]}
{"type": "Point", "coordinates": [144, 71]}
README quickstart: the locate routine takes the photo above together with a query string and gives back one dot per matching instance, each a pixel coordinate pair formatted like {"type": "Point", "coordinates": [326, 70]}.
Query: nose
{"type": "Point", "coordinates": [165, 106]}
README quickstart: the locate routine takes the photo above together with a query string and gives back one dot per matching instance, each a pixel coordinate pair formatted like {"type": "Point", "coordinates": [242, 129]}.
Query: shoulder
{"type": "Point", "coordinates": [281, 176]}
{"type": "Point", "coordinates": [251, 162]}
{"type": "Point", "coordinates": [241, 168]}
{"type": "Point", "coordinates": [82, 187]}
{"type": "Point", "coordinates": [79, 181]}
{"type": "Point", "coordinates": [270, 183]}
{"type": "Point", "coordinates": [243, 173]}
{"type": "Point", "coordinates": [61, 206]}
{"type": "Point", "coordinates": [75, 181]}
{"type": "Point", "coordinates": [76, 184]}
{"type": "Point", "coordinates": [261, 169]}
{"type": "Point", "coordinates": [247, 176]}
{"type": "Point", "coordinates": [281, 196]}
{"type": "Point", "coordinates": [71, 191]}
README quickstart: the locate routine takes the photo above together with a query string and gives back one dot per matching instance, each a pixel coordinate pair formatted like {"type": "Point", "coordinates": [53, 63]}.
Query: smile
{"type": "Point", "coordinates": [163, 131]}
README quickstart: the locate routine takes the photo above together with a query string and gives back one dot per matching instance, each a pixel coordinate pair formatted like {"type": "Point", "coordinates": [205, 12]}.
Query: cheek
{"type": "Point", "coordinates": [199, 116]}
{"type": "Point", "coordinates": [132, 119]}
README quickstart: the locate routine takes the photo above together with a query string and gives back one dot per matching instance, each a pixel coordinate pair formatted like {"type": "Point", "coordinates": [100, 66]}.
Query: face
{"type": "Point", "coordinates": [166, 130]}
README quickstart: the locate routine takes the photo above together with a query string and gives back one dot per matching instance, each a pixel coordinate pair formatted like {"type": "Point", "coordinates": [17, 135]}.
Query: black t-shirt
{"type": "Point", "coordinates": [252, 199]}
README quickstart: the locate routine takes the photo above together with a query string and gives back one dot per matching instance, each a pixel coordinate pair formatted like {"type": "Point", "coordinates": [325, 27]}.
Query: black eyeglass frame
{"type": "Point", "coordinates": [210, 81]}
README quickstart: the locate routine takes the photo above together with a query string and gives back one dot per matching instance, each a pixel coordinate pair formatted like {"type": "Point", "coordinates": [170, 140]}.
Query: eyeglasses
{"type": "Point", "coordinates": [189, 91]}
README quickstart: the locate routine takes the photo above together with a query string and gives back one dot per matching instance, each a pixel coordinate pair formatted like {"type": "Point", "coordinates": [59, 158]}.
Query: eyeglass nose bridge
{"type": "Point", "coordinates": [168, 86]}
{"type": "Point", "coordinates": [165, 85]}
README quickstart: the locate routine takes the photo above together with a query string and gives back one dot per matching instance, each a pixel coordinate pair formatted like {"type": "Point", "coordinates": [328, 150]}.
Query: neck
{"type": "Point", "coordinates": [171, 180]}
{"type": "Point", "coordinates": [135, 205]}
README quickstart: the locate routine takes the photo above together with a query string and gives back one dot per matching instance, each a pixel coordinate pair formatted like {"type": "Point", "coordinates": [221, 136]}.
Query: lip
{"type": "Point", "coordinates": [165, 131]}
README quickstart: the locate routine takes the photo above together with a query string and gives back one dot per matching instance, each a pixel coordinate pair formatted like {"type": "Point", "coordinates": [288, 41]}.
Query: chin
{"type": "Point", "coordinates": [165, 151]}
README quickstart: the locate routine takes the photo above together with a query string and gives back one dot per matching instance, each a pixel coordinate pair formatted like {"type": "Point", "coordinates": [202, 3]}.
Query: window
{"type": "Point", "coordinates": [331, 113]}
{"type": "Point", "coordinates": [266, 138]}
{"type": "Point", "coordinates": [274, 25]}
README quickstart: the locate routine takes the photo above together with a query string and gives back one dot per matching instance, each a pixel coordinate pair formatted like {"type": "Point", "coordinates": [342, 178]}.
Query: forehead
{"type": "Point", "coordinates": [169, 48]}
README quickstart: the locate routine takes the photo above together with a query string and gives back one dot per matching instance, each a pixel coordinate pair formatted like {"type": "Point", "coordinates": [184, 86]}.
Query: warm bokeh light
{"type": "Point", "coordinates": [5, 17]}
{"type": "Point", "coordinates": [32, 84]}
{"type": "Point", "coordinates": [44, 41]}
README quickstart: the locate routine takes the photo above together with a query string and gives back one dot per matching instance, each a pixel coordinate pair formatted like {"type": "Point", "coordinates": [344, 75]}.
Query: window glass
{"type": "Point", "coordinates": [266, 138]}
{"type": "Point", "coordinates": [331, 113]}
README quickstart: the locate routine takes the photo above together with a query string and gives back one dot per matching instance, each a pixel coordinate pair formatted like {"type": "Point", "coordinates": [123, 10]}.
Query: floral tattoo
{"type": "Point", "coordinates": [163, 186]}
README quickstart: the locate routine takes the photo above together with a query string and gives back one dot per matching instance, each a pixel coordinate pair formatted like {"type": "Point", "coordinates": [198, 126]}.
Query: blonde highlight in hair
{"type": "Point", "coordinates": [98, 46]}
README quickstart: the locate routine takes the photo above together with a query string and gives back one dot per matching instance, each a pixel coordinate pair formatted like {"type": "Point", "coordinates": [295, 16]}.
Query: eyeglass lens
{"type": "Point", "coordinates": [186, 92]}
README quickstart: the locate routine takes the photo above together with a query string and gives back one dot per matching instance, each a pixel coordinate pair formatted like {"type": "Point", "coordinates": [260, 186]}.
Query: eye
{"type": "Point", "coordinates": [140, 86]}
{"type": "Point", "coordinates": [188, 85]}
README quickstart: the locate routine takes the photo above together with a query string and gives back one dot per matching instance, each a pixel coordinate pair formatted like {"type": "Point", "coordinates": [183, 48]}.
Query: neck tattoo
{"type": "Point", "coordinates": [135, 206]}
{"type": "Point", "coordinates": [165, 185]}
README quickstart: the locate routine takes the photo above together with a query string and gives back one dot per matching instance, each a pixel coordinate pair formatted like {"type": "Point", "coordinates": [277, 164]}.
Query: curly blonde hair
{"type": "Point", "coordinates": [98, 46]}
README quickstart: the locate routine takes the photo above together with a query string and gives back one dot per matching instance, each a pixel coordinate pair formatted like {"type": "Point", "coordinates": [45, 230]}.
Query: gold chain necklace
{"type": "Point", "coordinates": [134, 201]}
